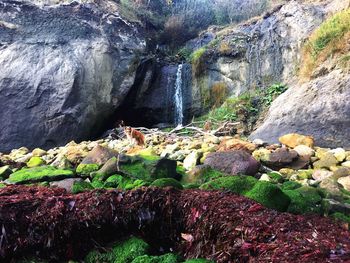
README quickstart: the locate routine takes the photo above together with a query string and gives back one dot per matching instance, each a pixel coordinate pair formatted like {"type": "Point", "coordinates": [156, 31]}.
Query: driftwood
{"type": "Point", "coordinates": [214, 225]}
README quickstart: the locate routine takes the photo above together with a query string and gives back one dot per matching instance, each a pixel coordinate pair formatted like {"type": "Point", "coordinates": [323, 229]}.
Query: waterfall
{"type": "Point", "coordinates": [178, 97]}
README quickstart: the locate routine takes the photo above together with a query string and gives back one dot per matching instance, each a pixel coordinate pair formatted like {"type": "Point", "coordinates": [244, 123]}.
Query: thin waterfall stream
{"type": "Point", "coordinates": [178, 97]}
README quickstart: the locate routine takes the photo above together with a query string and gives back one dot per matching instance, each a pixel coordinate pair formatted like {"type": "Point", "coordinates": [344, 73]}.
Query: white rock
{"type": "Point", "coordinates": [191, 160]}
{"type": "Point", "coordinates": [304, 150]}
{"type": "Point", "coordinates": [339, 154]}
{"type": "Point", "coordinates": [320, 175]}
{"type": "Point", "coordinates": [345, 182]}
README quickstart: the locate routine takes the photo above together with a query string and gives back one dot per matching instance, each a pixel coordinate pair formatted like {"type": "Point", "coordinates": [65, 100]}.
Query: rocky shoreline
{"type": "Point", "coordinates": [295, 176]}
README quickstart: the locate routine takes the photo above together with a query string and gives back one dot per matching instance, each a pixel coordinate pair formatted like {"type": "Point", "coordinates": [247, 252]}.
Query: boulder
{"type": "Point", "coordinates": [319, 108]}
{"type": "Point", "coordinates": [236, 144]}
{"type": "Point", "coordinates": [64, 70]}
{"type": "Point", "coordinates": [191, 160]}
{"type": "Point", "coordinates": [99, 155]}
{"type": "Point", "coordinates": [66, 184]}
{"type": "Point", "coordinates": [293, 140]}
{"type": "Point", "coordinates": [345, 182]}
{"type": "Point", "coordinates": [327, 161]}
{"type": "Point", "coordinates": [233, 162]}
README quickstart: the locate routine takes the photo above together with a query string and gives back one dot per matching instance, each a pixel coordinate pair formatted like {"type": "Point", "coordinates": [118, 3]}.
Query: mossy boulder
{"type": "Point", "coordinates": [341, 217]}
{"type": "Point", "coordinates": [121, 252]}
{"type": "Point", "coordinates": [275, 177]}
{"type": "Point", "coordinates": [164, 182]}
{"type": "Point", "coordinates": [300, 204]}
{"type": "Point", "coordinates": [87, 169]}
{"type": "Point", "coordinates": [236, 184]}
{"type": "Point", "coordinates": [35, 162]}
{"type": "Point", "coordinates": [82, 186]}
{"type": "Point", "coordinates": [123, 182]}
{"type": "Point", "coordinates": [202, 174]}
{"type": "Point", "coordinates": [150, 170]}
{"type": "Point", "coordinates": [2, 185]}
{"type": "Point", "coordinates": [269, 195]}
{"type": "Point", "coordinates": [167, 258]}
{"type": "Point", "coordinates": [290, 185]}
{"type": "Point", "coordinates": [39, 174]}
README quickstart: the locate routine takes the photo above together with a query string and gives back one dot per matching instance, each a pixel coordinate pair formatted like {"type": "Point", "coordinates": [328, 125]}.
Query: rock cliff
{"type": "Point", "coordinates": [64, 69]}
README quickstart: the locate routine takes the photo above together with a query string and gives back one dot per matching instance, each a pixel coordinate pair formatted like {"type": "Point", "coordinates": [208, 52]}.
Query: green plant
{"type": "Point", "coordinates": [329, 39]}
{"type": "Point", "coordinates": [271, 93]}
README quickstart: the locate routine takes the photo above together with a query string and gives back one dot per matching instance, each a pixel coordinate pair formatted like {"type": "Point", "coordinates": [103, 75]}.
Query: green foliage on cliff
{"type": "Point", "coordinates": [329, 40]}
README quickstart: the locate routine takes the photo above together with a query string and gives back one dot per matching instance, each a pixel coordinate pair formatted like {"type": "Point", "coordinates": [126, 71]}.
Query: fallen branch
{"type": "Point", "coordinates": [214, 225]}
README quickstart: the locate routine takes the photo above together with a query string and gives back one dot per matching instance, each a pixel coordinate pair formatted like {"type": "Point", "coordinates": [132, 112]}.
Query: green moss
{"type": "Point", "coordinates": [97, 183]}
{"type": "Point", "coordinates": [79, 187]}
{"type": "Point", "coordinates": [236, 184]}
{"type": "Point", "coordinates": [301, 205]}
{"type": "Point", "coordinates": [150, 170]}
{"type": "Point", "coordinates": [164, 182]}
{"type": "Point", "coordinates": [341, 217]}
{"type": "Point", "coordinates": [191, 186]}
{"type": "Point", "coordinates": [199, 260]}
{"type": "Point", "coordinates": [312, 194]}
{"type": "Point", "coordinates": [38, 174]}
{"type": "Point", "coordinates": [121, 252]}
{"type": "Point", "coordinates": [86, 169]}
{"type": "Point", "coordinates": [2, 185]}
{"type": "Point", "coordinates": [123, 182]}
{"type": "Point", "coordinates": [197, 54]}
{"type": "Point", "coordinates": [305, 174]}
{"type": "Point", "coordinates": [167, 258]}
{"type": "Point", "coordinates": [269, 195]}
{"type": "Point", "coordinates": [35, 161]}
{"type": "Point", "coordinates": [276, 177]}
{"type": "Point", "coordinates": [290, 185]}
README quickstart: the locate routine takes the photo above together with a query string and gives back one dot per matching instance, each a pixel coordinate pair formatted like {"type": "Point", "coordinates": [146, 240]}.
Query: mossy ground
{"type": "Point", "coordinates": [269, 195]}
{"type": "Point", "coordinates": [121, 252]}
{"type": "Point", "coordinates": [79, 187]}
{"type": "Point", "coordinates": [164, 182]}
{"type": "Point", "coordinates": [167, 258]}
{"type": "Point", "coordinates": [235, 184]}
{"type": "Point", "coordinates": [38, 174]}
{"type": "Point", "coordinates": [35, 161]}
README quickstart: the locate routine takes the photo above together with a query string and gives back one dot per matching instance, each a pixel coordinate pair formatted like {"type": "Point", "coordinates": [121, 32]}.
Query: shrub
{"type": "Point", "coordinates": [219, 92]}
{"type": "Point", "coordinates": [198, 61]}
{"type": "Point", "coordinates": [330, 38]}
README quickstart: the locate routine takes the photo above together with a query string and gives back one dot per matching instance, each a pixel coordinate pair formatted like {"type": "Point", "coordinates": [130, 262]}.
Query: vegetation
{"type": "Point", "coordinates": [327, 41]}
{"type": "Point", "coordinates": [236, 184]}
{"type": "Point", "coordinates": [165, 182]}
{"type": "Point", "coordinates": [269, 195]}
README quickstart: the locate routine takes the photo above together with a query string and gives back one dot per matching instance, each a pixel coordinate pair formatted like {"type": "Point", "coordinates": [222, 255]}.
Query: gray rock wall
{"type": "Point", "coordinates": [64, 70]}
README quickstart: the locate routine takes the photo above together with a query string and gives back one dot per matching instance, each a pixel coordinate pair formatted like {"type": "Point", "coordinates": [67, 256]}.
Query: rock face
{"type": "Point", "coordinates": [64, 70]}
{"type": "Point", "coordinates": [260, 53]}
{"type": "Point", "coordinates": [319, 108]}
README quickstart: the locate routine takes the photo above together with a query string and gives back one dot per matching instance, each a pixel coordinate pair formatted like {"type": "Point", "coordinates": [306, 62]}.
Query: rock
{"type": "Point", "coordinates": [259, 142]}
{"type": "Point", "coordinates": [18, 153]}
{"type": "Point", "coordinates": [99, 155]}
{"type": "Point", "coordinates": [191, 160]}
{"type": "Point", "coordinates": [233, 162]}
{"type": "Point", "coordinates": [305, 174]}
{"type": "Point", "coordinates": [320, 175]}
{"type": "Point", "coordinates": [319, 108]}
{"type": "Point", "coordinates": [39, 152]}
{"type": "Point", "coordinates": [110, 167]}
{"type": "Point", "coordinates": [330, 186]}
{"type": "Point", "coordinates": [339, 154]}
{"type": "Point", "coordinates": [236, 144]}
{"type": "Point", "coordinates": [63, 74]}
{"type": "Point", "coordinates": [264, 177]}
{"type": "Point", "coordinates": [282, 157]}
{"type": "Point", "coordinates": [74, 153]}
{"type": "Point", "coordinates": [292, 140]}
{"type": "Point", "coordinates": [35, 161]}
{"type": "Point", "coordinates": [66, 184]}
{"type": "Point", "coordinates": [287, 172]}
{"type": "Point", "coordinates": [38, 174]}
{"type": "Point", "coordinates": [346, 164]}
{"type": "Point", "coordinates": [5, 171]}
{"type": "Point", "coordinates": [331, 206]}
{"type": "Point", "coordinates": [81, 186]}
{"type": "Point", "coordinates": [262, 155]}
{"type": "Point", "coordinates": [327, 160]}
{"type": "Point", "coordinates": [345, 182]}
{"type": "Point", "coordinates": [341, 172]}
{"type": "Point", "coordinates": [304, 151]}
{"type": "Point", "coordinates": [61, 162]}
